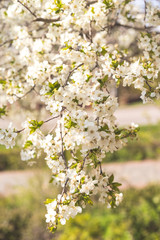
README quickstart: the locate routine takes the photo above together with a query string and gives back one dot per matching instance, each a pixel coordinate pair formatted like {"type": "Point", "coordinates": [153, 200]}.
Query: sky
{"type": "Point", "coordinates": [141, 2]}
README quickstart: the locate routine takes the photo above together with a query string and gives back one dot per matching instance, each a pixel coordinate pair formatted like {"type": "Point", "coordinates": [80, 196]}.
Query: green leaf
{"type": "Point", "coordinates": [88, 77]}
{"type": "Point", "coordinates": [94, 159]}
{"type": "Point", "coordinates": [103, 81]}
{"type": "Point", "coordinates": [2, 81]}
{"type": "Point", "coordinates": [5, 13]}
{"type": "Point", "coordinates": [114, 64]}
{"type": "Point", "coordinates": [103, 51]}
{"type": "Point", "coordinates": [53, 87]}
{"type": "Point", "coordinates": [2, 111]}
{"type": "Point", "coordinates": [102, 100]}
{"type": "Point", "coordinates": [92, 10]}
{"type": "Point", "coordinates": [75, 100]}
{"type": "Point", "coordinates": [48, 200]}
{"type": "Point", "coordinates": [73, 166]}
{"type": "Point", "coordinates": [59, 69]}
{"type": "Point", "coordinates": [67, 46]}
{"type": "Point", "coordinates": [90, 202]}
{"type": "Point", "coordinates": [70, 124]}
{"type": "Point", "coordinates": [126, 2]}
{"type": "Point", "coordinates": [118, 131]}
{"type": "Point", "coordinates": [125, 133]}
{"type": "Point", "coordinates": [56, 25]}
{"type": "Point", "coordinates": [52, 229]}
{"type": "Point", "coordinates": [104, 128]}
{"type": "Point", "coordinates": [82, 180]}
{"type": "Point", "coordinates": [67, 202]}
{"type": "Point", "coordinates": [59, 6]}
{"type": "Point", "coordinates": [108, 3]}
{"type": "Point", "coordinates": [35, 125]}
{"type": "Point", "coordinates": [28, 144]}
{"type": "Point", "coordinates": [55, 157]}
{"type": "Point", "coordinates": [51, 180]}
{"type": "Point", "coordinates": [116, 184]}
{"type": "Point", "coordinates": [41, 52]}
{"type": "Point", "coordinates": [111, 179]}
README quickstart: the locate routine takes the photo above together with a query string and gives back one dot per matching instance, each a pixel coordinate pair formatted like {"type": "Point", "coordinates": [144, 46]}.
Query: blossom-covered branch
{"type": "Point", "coordinates": [72, 54]}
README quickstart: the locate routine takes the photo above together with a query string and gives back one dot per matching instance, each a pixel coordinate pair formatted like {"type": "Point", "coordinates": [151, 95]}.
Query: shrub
{"type": "Point", "coordinates": [137, 218]}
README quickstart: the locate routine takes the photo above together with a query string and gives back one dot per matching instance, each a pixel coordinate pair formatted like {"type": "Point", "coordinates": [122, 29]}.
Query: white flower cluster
{"type": "Point", "coordinates": [61, 211]}
{"type": "Point", "coordinates": [59, 51]}
{"type": "Point", "coordinates": [153, 14]}
{"type": "Point", "coordinates": [8, 136]}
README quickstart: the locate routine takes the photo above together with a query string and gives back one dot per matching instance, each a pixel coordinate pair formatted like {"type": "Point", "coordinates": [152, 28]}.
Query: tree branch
{"type": "Point", "coordinates": [27, 8]}
{"type": "Point", "coordinates": [84, 160]}
{"type": "Point", "coordinates": [8, 41]}
{"type": "Point", "coordinates": [117, 24]}
{"type": "Point", "coordinates": [70, 73]}
{"type": "Point", "coordinates": [19, 131]}
{"type": "Point", "coordinates": [145, 13]}
{"type": "Point", "coordinates": [48, 120]}
{"type": "Point", "coordinates": [46, 20]}
{"type": "Point", "coordinates": [64, 188]}
{"type": "Point", "coordinates": [38, 19]}
{"type": "Point", "coordinates": [100, 168]}
{"type": "Point", "coordinates": [62, 149]}
{"type": "Point", "coordinates": [25, 93]}
{"type": "Point", "coordinates": [91, 2]}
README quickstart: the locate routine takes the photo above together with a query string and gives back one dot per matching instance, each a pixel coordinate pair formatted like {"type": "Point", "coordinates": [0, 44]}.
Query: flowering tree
{"type": "Point", "coordinates": [69, 54]}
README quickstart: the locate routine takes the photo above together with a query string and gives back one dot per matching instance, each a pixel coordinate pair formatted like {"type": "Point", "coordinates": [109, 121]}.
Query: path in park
{"type": "Point", "coordinates": [135, 174]}
{"type": "Point", "coordinates": [140, 114]}
{"type": "Point", "coordinates": [130, 174]}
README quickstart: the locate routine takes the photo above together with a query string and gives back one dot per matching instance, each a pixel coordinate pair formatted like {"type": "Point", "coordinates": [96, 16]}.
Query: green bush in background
{"type": "Point", "coordinates": [10, 160]}
{"type": "Point", "coordinates": [137, 218]}
{"type": "Point", "coordinates": [22, 215]}
{"type": "Point", "coordinates": [146, 147]}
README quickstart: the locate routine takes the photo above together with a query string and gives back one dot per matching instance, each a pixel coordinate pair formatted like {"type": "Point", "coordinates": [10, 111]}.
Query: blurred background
{"type": "Point", "coordinates": [24, 188]}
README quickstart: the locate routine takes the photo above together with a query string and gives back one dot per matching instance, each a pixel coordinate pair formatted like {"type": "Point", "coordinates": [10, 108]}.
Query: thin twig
{"type": "Point", "coordinates": [29, 10]}
{"type": "Point", "coordinates": [25, 93]}
{"type": "Point", "coordinates": [90, 32]}
{"type": "Point", "coordinates": [70, 73]}
{"type": "Point", "coordinates": [84, 160]}
{"type": "Point", "coordinates": [19, 131]}
{"type": "Point", "coordinates": [64, 188]}
{"type": "Point", "coordinates": [50, 119]}
{"type": "Point", "coordinates": [117, 24]}
{"type": "Point", "coordinates": [62, 149]}
{"type": "Point", "coordinates": [100, 168]}
{"type": "Point", "coordinates": [145, 13]}
{"type": "Point", "coordinates": [150, 88]}
{"type": "Point", "coordinates": [90, 3]}
{"type": "Point", "coordinates": [8, 41]}
{"type": "Point", "coordinates": [29, 91]}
